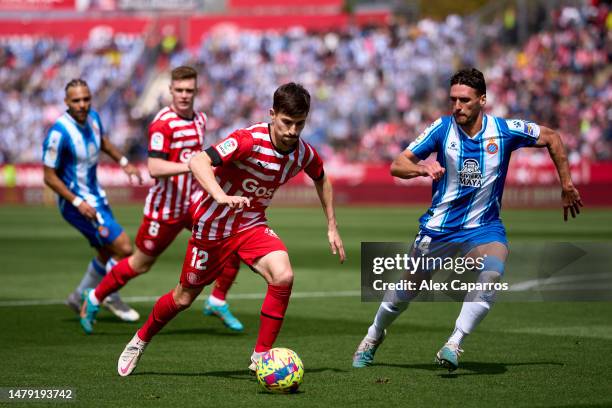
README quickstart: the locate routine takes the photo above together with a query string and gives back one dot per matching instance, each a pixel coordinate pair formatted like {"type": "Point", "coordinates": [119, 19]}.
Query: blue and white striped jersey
{"type": "Point", "coordinates": [72, 150]}
{"type": "Point", "coordinates": [469, 194]}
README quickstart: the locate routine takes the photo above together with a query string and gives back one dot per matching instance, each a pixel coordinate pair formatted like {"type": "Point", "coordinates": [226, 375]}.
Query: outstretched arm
{"type": "Point", "coordinates": [569, 194]}
{"type": "Point", "coordinates": [164, 168]}
{"type": "Point", "coordinates": [406, 166]}
{"type": "Point", "coordinates": [325, 193]}
{"type": "Point", "coordinates": [201, 167]}
{"type": "Point", "coordinates": [129, 169]}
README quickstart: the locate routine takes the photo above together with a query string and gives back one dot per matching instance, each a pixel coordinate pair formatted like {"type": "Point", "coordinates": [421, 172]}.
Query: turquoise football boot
{"type": "Point", "coordinates": [223, 313]}
{"type": "Point", "coordinates": [88, 313]}
{"type": "Point", "coordinates": [364, 356]}
{"type": "Point", "coordinates": [448, 356]}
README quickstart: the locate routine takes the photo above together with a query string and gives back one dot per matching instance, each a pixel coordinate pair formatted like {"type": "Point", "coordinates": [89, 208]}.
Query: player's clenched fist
{"type": "Point", "coordinates": [432, 169]}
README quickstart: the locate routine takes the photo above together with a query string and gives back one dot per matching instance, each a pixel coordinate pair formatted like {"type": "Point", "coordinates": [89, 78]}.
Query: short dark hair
{"type": "Point", "coordinates": [183, 72]}
{"type": "Point", "coordinates": [472, 78]}
{"type": "Point", "coordinates": [75, 82]}
{"type": "Point", "coordinates": [292, 99]}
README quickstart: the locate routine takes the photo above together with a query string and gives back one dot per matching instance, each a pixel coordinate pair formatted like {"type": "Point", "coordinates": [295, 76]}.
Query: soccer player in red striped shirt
{"type": "Point", "coordinates": [249, 166]}
{"type": "Point", "coordinates": [176, 133]}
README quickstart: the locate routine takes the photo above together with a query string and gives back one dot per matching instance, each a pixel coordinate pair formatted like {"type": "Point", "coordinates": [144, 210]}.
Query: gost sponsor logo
{"type": "Point", "coordinates": [252, 186]}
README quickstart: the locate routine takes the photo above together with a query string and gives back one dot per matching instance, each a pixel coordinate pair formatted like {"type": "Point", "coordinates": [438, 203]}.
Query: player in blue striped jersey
{"type": "Point", "coordinates": [472, 157]}
{"type": "Point", "coordinates": [70, 159]}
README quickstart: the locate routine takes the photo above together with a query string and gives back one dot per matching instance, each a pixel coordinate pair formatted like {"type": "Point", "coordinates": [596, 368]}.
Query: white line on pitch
{"type": "Point", "coordinates": [144, 299]}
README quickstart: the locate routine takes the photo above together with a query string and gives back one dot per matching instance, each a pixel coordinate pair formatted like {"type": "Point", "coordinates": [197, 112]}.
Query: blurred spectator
{"type": "Point", "coordinates": [374, 89]}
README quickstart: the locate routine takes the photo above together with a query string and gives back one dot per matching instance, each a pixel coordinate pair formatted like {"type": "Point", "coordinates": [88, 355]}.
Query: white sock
{"type": "Point", "coordinates": [471, 314]}
{"type": "Point", "coordinates": [456, 337]}
{"type": "Point", "coordinates": [386, 314]}
{"type": "Point", "coordinates": [93, 299]}
{"type": "Point", "coordinates": [93, 276]}
{"type": "Point", "coordinates": [109, 265]}
{"type": "Point", "coordinates": [215, 301]}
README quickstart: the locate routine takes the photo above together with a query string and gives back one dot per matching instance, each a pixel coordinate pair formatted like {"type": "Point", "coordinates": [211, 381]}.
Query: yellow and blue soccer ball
{"type": "Point", "coordinates": [280, 370]}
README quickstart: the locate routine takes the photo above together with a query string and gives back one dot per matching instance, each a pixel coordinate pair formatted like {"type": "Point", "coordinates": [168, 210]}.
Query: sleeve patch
{"type": "Point", "coordinates": [524, 127]}
{"type": "Point", "coordinates": [51, 152]}
{"type": "Point", "coordinates": [157, 141]}
{"type": "Point", "coordinates": [227, 147]}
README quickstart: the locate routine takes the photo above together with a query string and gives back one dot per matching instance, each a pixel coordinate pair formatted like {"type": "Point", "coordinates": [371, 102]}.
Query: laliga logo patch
{"type": "Point", "coordinates": [157, 141]}
{"type": "Point", "coordinates": [150, 245]}
{"type": "Point", "coordinates": [492, 147]}
{"type": "Point", "coordinates": [470, 175]}
{"type": "Point", "coordinates": [227, 147]}
{"type": "Point", "coordinates": [103, 231]}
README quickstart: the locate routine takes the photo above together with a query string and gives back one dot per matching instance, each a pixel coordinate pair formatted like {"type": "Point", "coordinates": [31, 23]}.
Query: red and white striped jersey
{"type": "Point", "coordinates": [175, 139]}
{"type": "Point", "coordinates": [248, 164]}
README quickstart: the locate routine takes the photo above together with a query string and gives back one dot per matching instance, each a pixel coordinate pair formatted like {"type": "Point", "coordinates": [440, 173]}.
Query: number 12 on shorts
{"type": "Point", "coordinates": [199, 259]}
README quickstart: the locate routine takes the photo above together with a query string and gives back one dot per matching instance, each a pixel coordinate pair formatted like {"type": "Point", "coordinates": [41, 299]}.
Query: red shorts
{"type": "Point", "coordinates": [155, 236]}
{"type": "Point", "coordinates": [205, 260]}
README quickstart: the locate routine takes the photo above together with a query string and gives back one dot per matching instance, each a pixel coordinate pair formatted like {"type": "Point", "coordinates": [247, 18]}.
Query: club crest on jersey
{"type": "Point", "coordinates": [492, 147]}
{"type": "Point", "coordinates": [148, 244]}
{"type": "Point", "coordinates": [157, 141]}
{"type": "Point", "coordinates": [103, 231]}
{"type": "Point", "coordinates": [271, 233]}
{"type": "Point", "coordinates": [470, 175]}
{"type": "Point", "coordinates": [227, 147]}
{"type": "Point", "coordinates": [192, 278]}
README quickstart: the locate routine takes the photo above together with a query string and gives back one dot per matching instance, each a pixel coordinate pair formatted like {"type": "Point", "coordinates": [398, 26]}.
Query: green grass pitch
{"type": "Point", "coordinates": [523, 354]}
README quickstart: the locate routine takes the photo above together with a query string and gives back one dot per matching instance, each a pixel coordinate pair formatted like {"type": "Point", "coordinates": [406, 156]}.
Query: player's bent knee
{"type": "Point", "coordinates": [282, 278]}
{"type": "Point", "coordinates": [184, 297]}
{"type": "Point", "coordinates": [141, 269]}
{"type": "Point", "coordinates": [493, 264]}
{"type": "Point", "coordinates": [183, 301]}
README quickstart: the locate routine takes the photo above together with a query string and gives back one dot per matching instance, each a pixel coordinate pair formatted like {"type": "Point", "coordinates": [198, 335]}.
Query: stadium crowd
{"type": "Point", "coordinates": [34, 72]}
{"type": "Point", "coordinates": [374, 89]}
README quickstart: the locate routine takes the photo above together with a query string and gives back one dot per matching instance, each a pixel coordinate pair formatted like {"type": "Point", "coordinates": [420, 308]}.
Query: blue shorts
{"type": "Point", "coordinates": [99, 233]}
{"type": "Point", "coordinates": [462, 241]}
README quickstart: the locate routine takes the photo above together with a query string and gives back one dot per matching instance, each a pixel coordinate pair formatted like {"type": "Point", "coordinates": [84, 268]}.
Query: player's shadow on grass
{"type": "Point", "coordinates": [471, 368]}
{"type": "Point", "coordinates": [240, 375]}
{"type": "Point", "coordinates": [211, 331]}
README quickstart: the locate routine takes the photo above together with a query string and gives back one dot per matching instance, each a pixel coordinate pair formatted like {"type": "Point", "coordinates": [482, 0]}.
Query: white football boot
{"type": "Point", "coordinates": [254, 359]}
{"type": "Point", "coordinates": [120, 309]}
{"type": "Point", "coordinates": [130, 356]}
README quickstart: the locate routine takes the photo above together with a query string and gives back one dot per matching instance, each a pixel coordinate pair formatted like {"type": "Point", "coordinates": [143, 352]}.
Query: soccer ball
{"type": "Point", "coordinates": [280, 370]}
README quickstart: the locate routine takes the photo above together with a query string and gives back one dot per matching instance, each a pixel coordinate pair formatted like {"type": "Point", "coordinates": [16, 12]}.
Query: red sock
{"type": "Point", "coordinates": [121, 273]}
{"type": "Point", "coordinates": [272, 314]}
{"type": "Point", "coordinates": [226, 279]}
{"type": "Point", "coordinates": [165, 309]}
